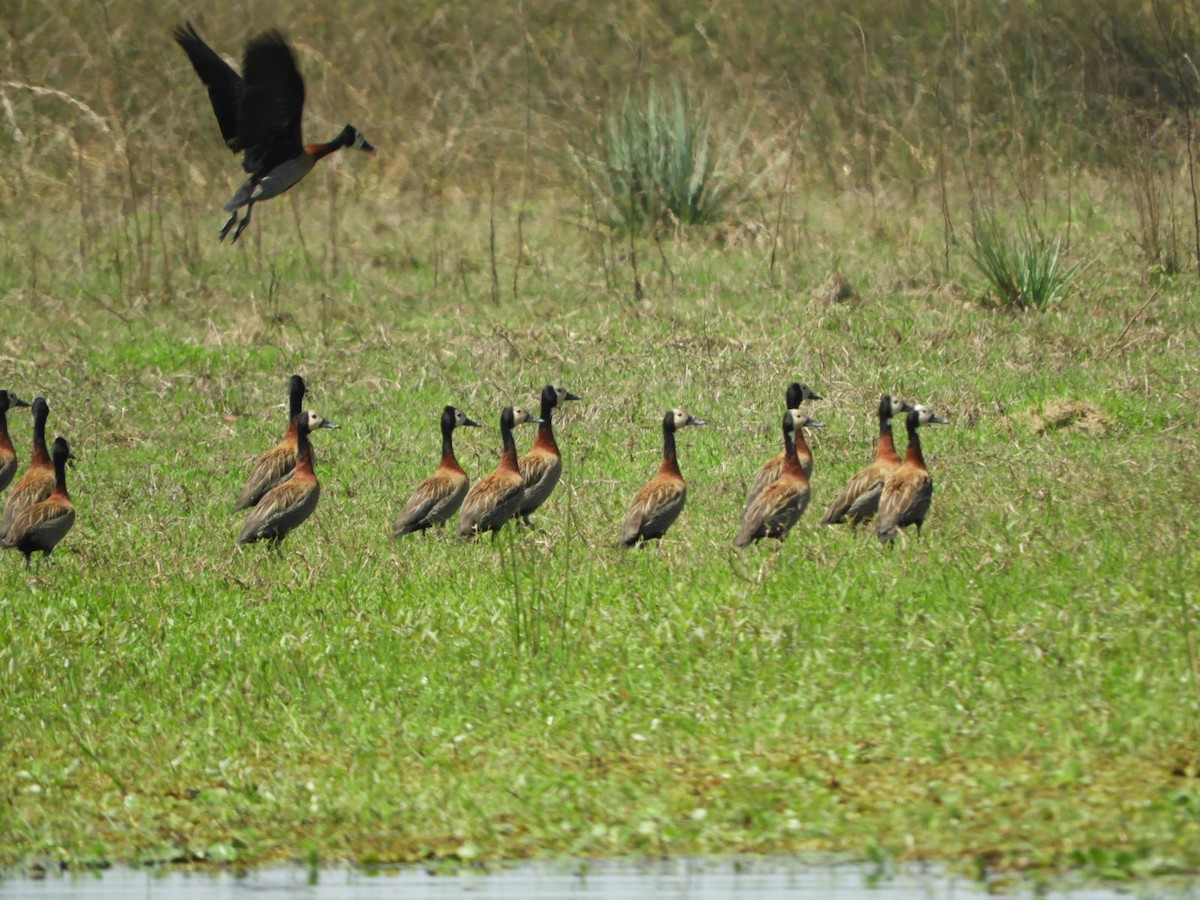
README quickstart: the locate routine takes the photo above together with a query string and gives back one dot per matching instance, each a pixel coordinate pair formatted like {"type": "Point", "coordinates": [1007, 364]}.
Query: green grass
{"type": "Point", "coordinates": [1017, 688]}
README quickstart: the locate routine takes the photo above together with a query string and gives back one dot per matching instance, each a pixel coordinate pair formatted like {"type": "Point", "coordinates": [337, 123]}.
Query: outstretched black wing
{"type": "Point", "coordinates": [272, 104]}
{"type": "Point", "coordinates": [223, 83]}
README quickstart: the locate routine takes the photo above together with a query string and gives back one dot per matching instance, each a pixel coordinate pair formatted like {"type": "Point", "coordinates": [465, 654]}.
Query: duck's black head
{"type": "Point", "coordinates": [919, 415]}
{"type": "Point", "coordinates": [352, 137]}
{"type": "Point", "coordinates": [61, 451]}
{"type": "Point", "coordinates": [511, 416]}
{"type": "Point", "coordinates": [308, 421]}
{"type": "Point", "coordinates": [296, 391]}
{"type": "Point", "coordinates": [456, 418]}
{"type": "Point", "coordinates": [8, 400]}
{"type": "Point", "coordinates": [798, 392]}
{"type": "Point", "coordinates": [890, 407]}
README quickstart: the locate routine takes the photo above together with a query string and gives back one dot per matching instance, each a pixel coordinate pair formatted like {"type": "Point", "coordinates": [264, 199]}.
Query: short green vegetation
{"type": "Point", "coordinates": [1019, 688]}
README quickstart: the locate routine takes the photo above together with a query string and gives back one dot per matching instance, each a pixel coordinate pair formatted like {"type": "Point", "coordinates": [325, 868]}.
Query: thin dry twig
{"type": "Point", "coordinates": [1116, 345]}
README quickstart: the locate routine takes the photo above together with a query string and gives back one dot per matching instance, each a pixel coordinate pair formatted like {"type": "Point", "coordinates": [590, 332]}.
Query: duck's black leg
{"type": "Point", "coordinates": [228, 225]}
{"type": "Point", "coordinates": [245, 221]}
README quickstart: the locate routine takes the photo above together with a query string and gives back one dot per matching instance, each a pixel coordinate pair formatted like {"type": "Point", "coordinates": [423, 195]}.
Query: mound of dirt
{"type": "Point", "coordinates": [1078, 415]}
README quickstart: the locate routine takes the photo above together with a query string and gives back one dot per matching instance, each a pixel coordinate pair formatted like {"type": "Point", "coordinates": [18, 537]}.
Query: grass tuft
{"type": "Point", "coordinates": [660, 162]}
{"type": "Point", "coordinates": [1023, 271]}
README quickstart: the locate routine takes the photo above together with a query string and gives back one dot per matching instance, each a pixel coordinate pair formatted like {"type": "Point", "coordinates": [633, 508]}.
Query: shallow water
{"type": "Point", "coordinates": [676, 880]}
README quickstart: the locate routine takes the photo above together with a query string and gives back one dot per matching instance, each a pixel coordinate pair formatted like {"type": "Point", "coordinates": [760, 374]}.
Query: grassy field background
{"type": "Point", "coordinates": [1021, 688]}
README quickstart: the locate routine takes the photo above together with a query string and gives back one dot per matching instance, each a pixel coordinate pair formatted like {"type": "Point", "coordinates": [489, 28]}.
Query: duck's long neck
{"type": "Point", "coordinates": [912, 454]}
{"type": "Point", "coordinates": [508, 455]}
{"type": "Point", "coordinates": [40, 455]}
{"type": "Point", "coordinates": [886, 451]}
{"type": "Point", "coordinates": [449, 460]}
{"type": "Point", "coordinates": [295, 402]}
{"type": "Point", "coordinates": [801, 445]}
{"type": "Point", "coordinates": [304, 461]}
{"type": "Point", "coordinates": [320, 151]}
{"type": "Point", "coordinates": [60, 479]}
{"type": "Point", "coordinates": [670, 463]}
{"type": "Point", "coordinates": [545, 433]}
{"type": "Point", "coordinates": [791, 459]}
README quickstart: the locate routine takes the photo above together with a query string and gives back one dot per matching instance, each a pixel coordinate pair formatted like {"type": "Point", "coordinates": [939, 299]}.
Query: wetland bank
{"type": "Point", "coordinates": [1018, 689]}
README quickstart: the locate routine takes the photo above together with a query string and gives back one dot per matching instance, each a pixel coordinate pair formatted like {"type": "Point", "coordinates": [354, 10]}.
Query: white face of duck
{"type": "Point", "coordinates": [461, 418]}
{"type": "Point", "coordinates": [925, 416]}
{"type": "Point", "coordinates": [521, 415]}
{"type": "Point", "coordinates": [682, 419]}
{"type": "Point", "coordinates": [316, 420]}
{"type": "Point", "coordinates": [360, 143]}
{"type": "Point", "coordinates": [563, 394]}
{"type": "Point", "coordinates": [897, 407]}
{"type": "Point", "coordinates": [796, 419]}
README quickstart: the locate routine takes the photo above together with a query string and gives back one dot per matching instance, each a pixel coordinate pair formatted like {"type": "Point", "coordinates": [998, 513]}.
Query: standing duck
{"type": "Point", "coordinates": [42, 525]}
{"type": "Point", "coordinates": [496, 499]}
{"type": "Point", "coordinates": [797, 392]}
{"type": "Point", "coordinates": [860, 499]}
{"type": "Point", "coordinates": [780, 504]}
{"type": "Point", "coordinates": [38, 481]}
{"type": "Point", "coordinates": [274, 466]}
{"type": "Point", "coordinates": [660, 501]}
{"type": "Point", "coordinates": [8, 457]}
{"type": "Point", "coordinates": [259, 113]}
{"type": "Point", "coordinates": [909, 491]}
{"type": "Point", "coordinates": [288, 504]}
{"type": "Point", "coordinates": [440, 495]}
{"type": "Point", "coordinates": [541, 467]}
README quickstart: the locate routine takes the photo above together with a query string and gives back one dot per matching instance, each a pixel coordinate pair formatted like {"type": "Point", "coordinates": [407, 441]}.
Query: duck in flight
{"type": "Point", "coordinates": [259, 113]}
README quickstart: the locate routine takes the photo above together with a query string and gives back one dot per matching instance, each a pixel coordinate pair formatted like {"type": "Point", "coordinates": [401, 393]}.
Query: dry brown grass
{"type": "Point", "coordinates": [96, 99]}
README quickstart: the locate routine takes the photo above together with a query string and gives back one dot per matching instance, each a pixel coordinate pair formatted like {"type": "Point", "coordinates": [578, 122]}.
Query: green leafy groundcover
{"type": "Point", "coordinates": [1018, 688]}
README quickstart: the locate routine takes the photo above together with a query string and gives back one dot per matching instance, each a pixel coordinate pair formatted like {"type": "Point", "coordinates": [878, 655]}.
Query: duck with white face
{"type": "Point", "coordinates": [36, 483]}
{"type": "Point", "coordinates": [541, 467]}
{"type": "Point", "coordinates": [292, 501]}
{"type": "Point", "coordinates": [777, 508]}
{"type": "Point", "coordinates": [859, 501]}
{"type": "Point", "coordinates": [660, 501]}
{"type": "Point", "coordinates": [45, 523]}
{"type": "Point", "coordinates": [439, 496]}
{"type": "Point", "coordinates": [275, 466]}
{"type": "Point", "coordinates": [496, 499]}
{"type": "Point", "coordinates": [908, 493]}
{"type": "Point", "coordinates": [797, 393]}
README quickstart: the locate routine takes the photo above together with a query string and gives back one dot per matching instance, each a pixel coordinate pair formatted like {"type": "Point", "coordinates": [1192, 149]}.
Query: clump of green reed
{"type": "Point", "coordinates": [1024, 269]}
{"type": "Point", "coordinates": [659, 159]}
